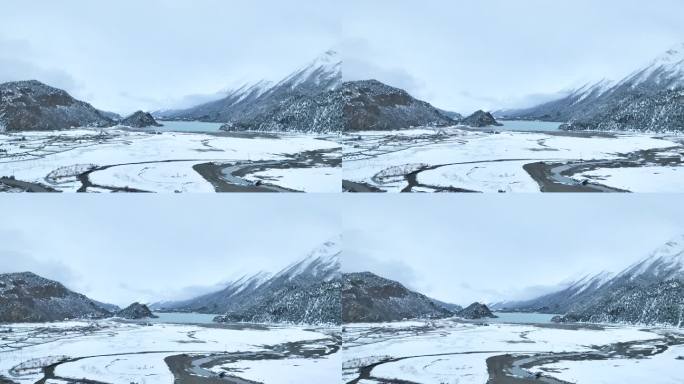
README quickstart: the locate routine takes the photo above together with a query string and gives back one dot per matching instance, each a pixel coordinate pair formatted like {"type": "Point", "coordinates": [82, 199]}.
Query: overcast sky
{"type": "Point", "coordinates": [470, 248]}
{"type": "Point", "coordinates": [120, 249]}
{"type": "Point", "coordinates": [461, 55]}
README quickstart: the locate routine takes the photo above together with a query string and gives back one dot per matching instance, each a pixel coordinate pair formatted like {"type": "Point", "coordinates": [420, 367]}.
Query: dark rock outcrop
{"type": "Point", "coordinates": [140, 119]}
{"type": "Point", "coordinates": [26, 297]}
{"type": "Point", "coordinates": [136, 311]}
{"type": "Point", "coordinates": [372, 105]}
{"type": "Point", "coordinates": [480, 119]}
{"type": "Point", "coordinates": [368, 298]}
{"type": "Point", "coordinates": [476, 311]}
{"type": "Point", "coordinates": [34, 106]}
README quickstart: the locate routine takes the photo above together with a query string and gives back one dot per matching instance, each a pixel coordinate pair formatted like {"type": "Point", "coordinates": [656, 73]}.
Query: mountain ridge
{"type": "Point", "coordinates": [315, 99]}
{"type": "Point", "coordinates": [32, 105]}
{"type": "Point", "coordinates": [649, 99]}
{"type": "Point", "coordinates": [650, 291]}
{"type": "Point", "coordinates": [304, 292]}
{"type": "Point", "coordinates": [27, 297]}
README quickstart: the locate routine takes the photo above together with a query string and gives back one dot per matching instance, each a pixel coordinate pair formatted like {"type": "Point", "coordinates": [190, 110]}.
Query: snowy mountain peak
{"type": "Point", "coordinates": [675, 55]}
{"type": "Point", "coordinates": [323, 262]}
{"type": "Point", "coordinates": [667, 70]}
{"type": "Point", "coordinates": [325, 71]}
{"type": "Point", "coordinates": [328, 250]}
{"type": "Point", "coordinates": [665, 262]}
{"type": "Point", "coordinates": [329, 60]}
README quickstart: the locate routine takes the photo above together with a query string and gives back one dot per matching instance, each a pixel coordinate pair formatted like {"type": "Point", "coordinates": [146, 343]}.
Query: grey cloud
{"type": "Point", "coordinates": [15, 64]}
{"type": "Point", "coordinates": [14, 262]}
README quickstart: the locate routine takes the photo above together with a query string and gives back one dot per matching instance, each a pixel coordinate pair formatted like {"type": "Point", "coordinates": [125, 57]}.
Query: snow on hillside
{"type": "Point", "coordinates": [665, 263]}
{"type": "Point", "coordinates": [667, 69]}
{"type": "Point", "coordinates": [325, 69]}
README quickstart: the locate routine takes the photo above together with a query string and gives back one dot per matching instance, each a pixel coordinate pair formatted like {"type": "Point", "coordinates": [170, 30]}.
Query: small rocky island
{"type": "Point", "coordinates": [481, 119]}
{"type": "Point", "coordinates": [136, 311]}
{"type": "Point", "coordinates": [476, 311]}
{"type": "Point", "coordinates": [140, 119]}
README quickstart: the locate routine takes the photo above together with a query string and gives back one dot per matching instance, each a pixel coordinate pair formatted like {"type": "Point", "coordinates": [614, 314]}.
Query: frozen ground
{"type": "Point", "coordinates": [123, 160]}
{"type": "Point", "coordinates": [448, 351]}
{"type": "Point", "coordinates": [460, 160]}
{"type": "Point", "coordinates": [114, 352]}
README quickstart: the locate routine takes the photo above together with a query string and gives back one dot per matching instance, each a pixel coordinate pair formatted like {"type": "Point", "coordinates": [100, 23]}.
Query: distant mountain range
{"type": "Point", "coordinates": [315, 99]}
{"type": "Point", "coordinates": [649, 99]}
{"type": "Point", "coordinates": [26, 297]}
{"type": "Point", "coordinates": [307, 292]}
{"type": "Point", "coordinates": [648, 292]}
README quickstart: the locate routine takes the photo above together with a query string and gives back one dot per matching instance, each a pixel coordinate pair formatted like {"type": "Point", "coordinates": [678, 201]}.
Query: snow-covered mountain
{"type": "Point", "coordinates": [306, 292]}
{"type": "Point", "coordinates": [34, 106]}
{"type": "Point", "coordinates": [353, 106]}
{"type": "Point", "coordinates": [648, 292]}
{"type": "Point", "coordinates": [251, 102]}
{"type": "Point", "coordinates": [315, 99]}
{"type": "Point", "coordinates": [369, 298]}
{"type": "Point", "coordinates": [649, 99]}
{"type": "Point", "coordinates": [26, 297]}
{"type": "Point", "coordinates": [561, 301]}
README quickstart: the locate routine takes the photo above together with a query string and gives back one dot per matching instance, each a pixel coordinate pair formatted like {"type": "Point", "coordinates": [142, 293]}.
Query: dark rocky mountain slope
{"type": "Point", "coordinates": [34, 106]}
{"type": "Point", "coordinates": [368, 298]}
{"type": "Point", "coordinates": [26, 297]}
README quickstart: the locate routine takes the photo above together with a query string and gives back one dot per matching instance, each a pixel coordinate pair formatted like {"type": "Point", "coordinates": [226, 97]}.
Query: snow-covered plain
{"type": "Point", "coordinates": [458, 158]}
{"type": "Point", "coordinates": [641, 179]}
{"type": "Point", "coordinates": [159, 162]}
{"type": "Point", "coordinates": [448, 351]}
{"type": "Point", "coordinates": [114, 352]}
{"type": "Point", "coordinates": [663, 369]}
{"type": "Point", "coordinates": [315, 179]}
